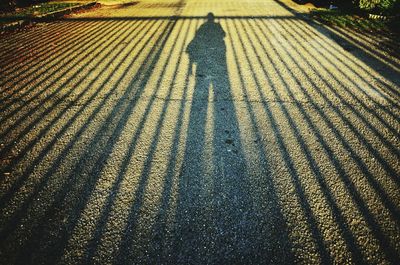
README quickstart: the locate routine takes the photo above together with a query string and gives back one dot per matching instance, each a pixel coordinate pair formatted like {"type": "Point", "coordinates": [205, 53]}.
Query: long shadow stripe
{"type": "Point", "coordinates": [58, 99]}
{"type": "Point", "coordinates": [262, 151]}
{"type": "Point", "coordinates": [47, 148]}
{"type": "Point", "coordinates": [105, 215]}
{"type": "Point", "coordinates": [25, 38]}
{"type": "Point", "coordinates": [34, 48]}
{"type": "Point", "coordinates": [344, 58]}
{"type": "Point", "coordinates": [363, 208]}
{"type": "Point", "coordinates": [366, 54]}
{"type": "Point", "coordinates": [57, 62]}
{"type": "Point", "coordinates": [94, 146]}
{"type": "Point", "coordinates": [58, 135]}
{"type": "Point", "coordinates": [347, 77]}
{"type": "Point", "coordinates": [28, 74]}
{"type": "Point", "coordinates": [312, 222]}
{"type": "Point", "coordinates": [387, 167]}
{"type": "Point", "coordinates": [127, 234]}
{"type": "Point", "coordinates": [160, 222]}
{"type": "Point", "coordinates": [319, 177]}
{"type": "Point", "coordinates": [368, 48]}
{"type": "Point", "coordinates": [378, 188]}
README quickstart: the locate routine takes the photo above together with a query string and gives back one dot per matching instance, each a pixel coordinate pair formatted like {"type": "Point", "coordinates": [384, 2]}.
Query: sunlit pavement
{"type": "Point", "coordinates": [276, 142]}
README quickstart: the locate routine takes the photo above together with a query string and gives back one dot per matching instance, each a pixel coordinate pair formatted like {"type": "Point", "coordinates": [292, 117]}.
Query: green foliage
{"type": "Point", "coordinates": [368, 4]}
{"type": "Point", "coordinates": [10, 5]}
{"type": "Point", "coordinates": [33, 11]}
{"type": "Point", "coordinates": [347, 19]}
{"type": "Point", "coordinates": [380, 6]}
{"type": "Point", "coordinates": [23, 3]}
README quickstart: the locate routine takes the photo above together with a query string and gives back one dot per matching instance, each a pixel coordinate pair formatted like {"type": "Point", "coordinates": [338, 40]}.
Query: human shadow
{"type": "Point", "coordinates": [217, 218]}
{"type": "Point", "coordinates": [207, 51]}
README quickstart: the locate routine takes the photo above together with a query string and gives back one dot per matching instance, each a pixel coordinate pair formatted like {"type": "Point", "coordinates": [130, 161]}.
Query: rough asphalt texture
{"type": "Point", "coordinates": [271, 140]}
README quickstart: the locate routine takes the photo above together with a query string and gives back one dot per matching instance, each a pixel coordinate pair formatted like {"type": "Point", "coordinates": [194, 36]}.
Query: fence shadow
{"type": "Point", "coordinates": [197, 140]}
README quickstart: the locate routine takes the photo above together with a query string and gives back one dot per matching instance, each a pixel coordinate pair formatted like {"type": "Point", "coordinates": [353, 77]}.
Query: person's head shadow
{"type": "Point", "coordinates": [207, 51]}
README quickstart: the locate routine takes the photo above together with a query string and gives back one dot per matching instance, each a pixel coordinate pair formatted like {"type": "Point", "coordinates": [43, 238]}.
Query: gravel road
{"type": "Point", "coordinates": [198, 132]}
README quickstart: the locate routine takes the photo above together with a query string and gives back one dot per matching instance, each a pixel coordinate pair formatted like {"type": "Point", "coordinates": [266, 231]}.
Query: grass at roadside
{"type": "Point", "coordinates": [32, 11]}
{"type": "Point", "coordinates": [354, 20]}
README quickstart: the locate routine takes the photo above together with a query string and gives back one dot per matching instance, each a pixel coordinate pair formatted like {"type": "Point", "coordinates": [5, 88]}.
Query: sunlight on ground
{"type": "Point", "coordinates": [284, 145]}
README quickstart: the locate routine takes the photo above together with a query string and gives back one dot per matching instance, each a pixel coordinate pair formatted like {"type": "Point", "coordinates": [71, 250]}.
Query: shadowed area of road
{"type": "Point", "coordinates": [154, 133]}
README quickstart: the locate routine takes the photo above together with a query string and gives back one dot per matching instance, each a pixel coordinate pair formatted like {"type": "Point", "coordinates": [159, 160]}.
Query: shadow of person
{"type": "Point", "coordinates": [215, 215]}
{"type": "Point", "coordinates": [207, 51]}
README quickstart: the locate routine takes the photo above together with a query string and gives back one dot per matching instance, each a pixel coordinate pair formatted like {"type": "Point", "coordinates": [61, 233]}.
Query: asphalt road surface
{"type": "Point", "coordinates": [198, 132]}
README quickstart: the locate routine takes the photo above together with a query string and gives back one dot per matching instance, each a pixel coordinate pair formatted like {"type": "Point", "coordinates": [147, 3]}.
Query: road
{"type": "Point", "coordinates": [198, 132]}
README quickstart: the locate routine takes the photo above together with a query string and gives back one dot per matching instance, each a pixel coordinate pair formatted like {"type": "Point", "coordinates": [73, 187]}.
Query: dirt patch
{"type": "Point", "coordinates": [163, 5]}
{"type": "Point", "coordinates": [125, 5]}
